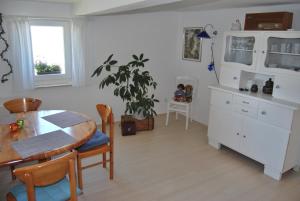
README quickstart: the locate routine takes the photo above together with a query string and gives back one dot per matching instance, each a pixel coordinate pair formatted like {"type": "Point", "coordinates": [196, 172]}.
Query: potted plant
{"type": "Point", "coordinates": [132, 84]}
{"type": "Point", "coordinates": [43, 68]}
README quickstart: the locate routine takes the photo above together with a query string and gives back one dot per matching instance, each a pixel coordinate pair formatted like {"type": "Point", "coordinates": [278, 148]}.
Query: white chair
{"type": "Point", "coordinates": [184, 108]}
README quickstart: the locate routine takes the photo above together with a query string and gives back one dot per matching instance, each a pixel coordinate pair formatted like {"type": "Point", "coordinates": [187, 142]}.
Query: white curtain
{"type": "Point", "coordinates": [18, 31]}
{"type": "Point", "coordinates": [78, 51]}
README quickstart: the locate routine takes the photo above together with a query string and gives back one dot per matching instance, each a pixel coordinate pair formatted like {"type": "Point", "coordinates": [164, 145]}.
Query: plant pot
{"type": "Point", "coordinates": [130, 125]}
{"type": "Point", "coordinates": [144, 124]}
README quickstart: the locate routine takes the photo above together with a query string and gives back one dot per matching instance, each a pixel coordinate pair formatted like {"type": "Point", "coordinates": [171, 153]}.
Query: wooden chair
{"type": "Point", "coordinates": [21, 105]}
{"type": "Point", "coordinates": [100, 143]}
{"type": "Point", "coordinates": [46, 181]}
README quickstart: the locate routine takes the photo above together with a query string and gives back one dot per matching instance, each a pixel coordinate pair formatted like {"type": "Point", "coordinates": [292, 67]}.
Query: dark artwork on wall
{"type": "Point", "coordinates": [4, 77]}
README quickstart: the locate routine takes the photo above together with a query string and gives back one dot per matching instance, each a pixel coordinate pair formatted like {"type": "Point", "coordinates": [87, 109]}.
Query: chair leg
{"type": "Point", "coordinates": [79, 173]}
{"type": "Point", "coordinates": [12, 168]}
{"type": "Point", "coordinates": [187, 116]}
{"type": "Point", "coordinates": [176, 115]}
{"type": "Point", "coordinates": [191, 112]}
{"type": "Point", "coordinates": [167, 118]}
{"type": "Point", "coordinates": [111, 165]}
{"type": "Point", "coordinates": [104, 160]}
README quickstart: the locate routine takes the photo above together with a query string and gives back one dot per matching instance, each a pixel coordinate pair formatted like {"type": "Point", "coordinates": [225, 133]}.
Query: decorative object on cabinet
{"type": "Point", "coordinates": [254, 88]}
{"type": "Point", "coordinates": [236, 26]}
{"type": "Point", "coordinates": [192, 44]}
{"type": "Point", "coordinates": [6, 46]}
{"type": "Point", "coordinates": [213, 33]}
{"type": "Point", "coordinates": [183, 107]}
{"type": "Point", "coordinates": [268, 88]}
{"type": "Point", "coordinates": [269, 21]}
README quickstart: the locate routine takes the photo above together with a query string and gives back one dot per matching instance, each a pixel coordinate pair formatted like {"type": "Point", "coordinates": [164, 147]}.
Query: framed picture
{"type": "Point", "coordinates": [191, 44]}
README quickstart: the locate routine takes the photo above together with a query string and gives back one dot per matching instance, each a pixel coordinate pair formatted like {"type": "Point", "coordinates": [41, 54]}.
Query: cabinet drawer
{"type": "Point", "coordinates": [248, 102]}
{"type": "Point", "coordinates": [275, 115]}
{"type": "Point", "coordinates": [248, 111]}
{"type": "Point", "coordinates": [221, 99]}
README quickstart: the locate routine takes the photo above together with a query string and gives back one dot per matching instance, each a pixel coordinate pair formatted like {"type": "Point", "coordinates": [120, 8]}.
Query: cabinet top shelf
{"type": "Point", "coordinates": [238, 49]}
{"type": "Point", "coordinates": [260, 96]}
{"type": "Point", "coordinates": [284, 53]}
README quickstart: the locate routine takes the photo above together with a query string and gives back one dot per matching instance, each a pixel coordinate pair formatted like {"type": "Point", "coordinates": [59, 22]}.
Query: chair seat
{"type": "Point", "coordinates": [59, 191]}
{"type": "Point", "coordinates": [179, 103]}
{"type": "Point", "coordinates": [98, 139]}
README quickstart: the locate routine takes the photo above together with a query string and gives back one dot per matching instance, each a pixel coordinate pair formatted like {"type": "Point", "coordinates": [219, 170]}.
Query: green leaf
{"type": "Point", "coordinates": [107, 67]}
{"type": "Point", "coordinates": [145, 60]}
{"type": "Point", "coordinates": [108, 59]}
{"type": "Point", "coordinates": [116, 92]}
{"type": "Point", "coordinates": [113, 62]}
{"type": "Point", "coordinates": [135, 57]}
{"type": "Point", "coordinates": [141, 56]}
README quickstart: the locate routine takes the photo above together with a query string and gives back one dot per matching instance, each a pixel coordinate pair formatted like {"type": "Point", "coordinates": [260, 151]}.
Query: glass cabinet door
{"type": "Point", "coordinates": [240, 50]}
{"type": "Point", "coordinates": [283, 53]}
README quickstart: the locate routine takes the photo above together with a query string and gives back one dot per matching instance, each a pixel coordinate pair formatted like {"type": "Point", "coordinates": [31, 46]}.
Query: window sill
{"type": "Point", "coordinates": [57, 83]}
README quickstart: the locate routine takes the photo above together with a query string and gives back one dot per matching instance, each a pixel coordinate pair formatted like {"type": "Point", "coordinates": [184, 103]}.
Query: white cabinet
{"type": "Point", "coordinates": [274, 54]}
{"type": "Point", "coordinates": [230, 77]}
{"type": "Point", "coordinates": [280, 53]}
{"type": "Point", "coordinates": [225, 127]}
{"type": "Point", "coordinates": [240, 49]}
{"type": "Point", "coordinates": [287, 87]}
{"type": "Point", "coordinates": [262, 130]}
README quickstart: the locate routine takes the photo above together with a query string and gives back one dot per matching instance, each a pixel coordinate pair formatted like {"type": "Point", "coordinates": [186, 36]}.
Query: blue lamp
{"type": "Point", "coordinates": [204, 35]}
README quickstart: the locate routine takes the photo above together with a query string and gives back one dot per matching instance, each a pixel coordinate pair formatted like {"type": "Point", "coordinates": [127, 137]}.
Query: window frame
{"type": "Point", "coordinates": [51, 80]}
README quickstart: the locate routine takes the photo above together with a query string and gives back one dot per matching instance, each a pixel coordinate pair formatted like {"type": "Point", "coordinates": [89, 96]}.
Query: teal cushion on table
{"type": "Point", "coordinates": [59, 191]}
{"type": "Point", "coordinates": [98, 139]}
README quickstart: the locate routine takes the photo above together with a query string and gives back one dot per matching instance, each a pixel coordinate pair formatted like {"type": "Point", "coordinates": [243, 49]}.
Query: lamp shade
{"type": "Point", "coordinates": [203, 34]}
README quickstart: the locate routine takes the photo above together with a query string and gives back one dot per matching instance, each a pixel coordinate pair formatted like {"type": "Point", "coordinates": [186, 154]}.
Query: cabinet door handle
{"type": "Point", "coordinates": [263, 112]}
{"type": "Point", "coordinates": [244, 110]}
{"type": "Point", "coordinates": [237, 133]}
{"type": "Point", "coordinates": [227, 102]}
{"type": "Point", "coordinates": [254, 51]}
{"type": "Point", "coordinates": [235, 78]}
{"type": "Point", "coordinates": [244, 136]}
{"type": "Point", "coordinates": [263, 51]}
{"type": "Point", "coordinates": [277, 86]}
{"type": "Point", "coordinates": [245, 102]}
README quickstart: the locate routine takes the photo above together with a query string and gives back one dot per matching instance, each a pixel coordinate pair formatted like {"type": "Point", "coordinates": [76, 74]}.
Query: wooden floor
{"type": "Point", "coordinates": [171, 164]}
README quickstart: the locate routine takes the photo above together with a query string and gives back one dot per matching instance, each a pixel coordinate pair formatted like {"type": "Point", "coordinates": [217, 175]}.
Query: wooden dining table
{"type": "Point", "coordinates": [35, 125]}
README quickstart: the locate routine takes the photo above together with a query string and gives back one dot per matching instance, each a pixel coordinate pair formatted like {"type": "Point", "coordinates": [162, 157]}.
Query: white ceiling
{"type": "Point", "coordinates": [100, 7]}
{"type": "Point", "coordinates": [54, 1]}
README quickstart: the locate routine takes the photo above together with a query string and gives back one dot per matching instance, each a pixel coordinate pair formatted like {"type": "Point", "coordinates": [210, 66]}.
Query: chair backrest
{"type": "Point", "coordinates": [107, 117]}
{"type": "Point", "coordinates": [22, 105]}
{"type": "Point", "coordinates": [47, 173]}
{"type": "Point", "coordinates": [187, 80]}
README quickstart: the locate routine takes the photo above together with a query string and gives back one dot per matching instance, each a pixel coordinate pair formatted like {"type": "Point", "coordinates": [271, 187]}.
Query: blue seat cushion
{"type": "Point", "coordinates": [60, 191]}
{"type": "Point", "coordinates": [98, 139]}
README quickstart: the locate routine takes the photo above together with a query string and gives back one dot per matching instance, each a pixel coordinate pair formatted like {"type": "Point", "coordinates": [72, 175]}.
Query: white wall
{"type": "Point", "coordinates": [221, 19]}
{"type": "Point", "coordinates": [152, 34]}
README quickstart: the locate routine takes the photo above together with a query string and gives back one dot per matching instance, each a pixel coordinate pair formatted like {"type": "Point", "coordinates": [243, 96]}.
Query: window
{"type": "Point", "coordinates": [51, 52]}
